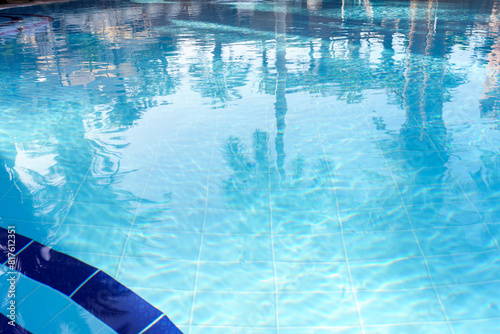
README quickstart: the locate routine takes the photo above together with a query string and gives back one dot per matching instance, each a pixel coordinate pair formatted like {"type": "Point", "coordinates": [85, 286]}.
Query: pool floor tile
{"type": "Point", "coordinates": [74, 318]}
{"type": "Point", "coordinates": [409, 306]}
{"type": "Point", "coordinates": [398, 274]}
{"type": "Point", "coordinates": [237, 221]}
{"type": "Point", "coordinates": [322, 330]}
{"type": "Point", "coordinates": [455, 240]}
{"type": "Point", "coordinates": [35, 310]}
{"type": "Point", "coordinates": [475, 301]}
{"type": "Point", "coordinates": [495, 232]}
{"type": "Point", "coordinates": [443, 215]}
{"type": "Point", "coordinates": [434, 328]}
{"type": "Point", "coordinates": [120, 216]}
{"type": "Point", "coordinates": [23, 287]}
{"type": "Point", "coordinates": [302, 277]}
{"type": "Point", "coordinates": [173, 220]}
{"type": "Point", "coordinates": [235, 276]}
{"type": "Point", "coordinates": [380, 245]}
{"type": "Point", "coordinates": [234, 309]}
{"type": "Point", "coordinates": [237, 329]}
{"type": "Point", "coordinates": [156, 243]}
{"type": "Point", "coordinates": [71, 236]}
{"type": "Point", "coordinates": [465, 268]}
{"type": "Point", "coordinates": [305, 222]}
{"type": "Point", "coordinates": [308, 248]}
{"type": "Point", "coordinates": [475, 326]}
{"type": "Point", "coordinates": [386, 219]}
{"type": "Point", "coordinates": [236, 247]}
{"type": "Point", "coordinates": [157, 273]}
{"type": "Point", "coordinates": [317, 309]}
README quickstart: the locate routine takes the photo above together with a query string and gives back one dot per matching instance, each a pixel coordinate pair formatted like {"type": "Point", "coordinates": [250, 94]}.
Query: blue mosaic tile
{"type": "Point", "coordinates": [163, 326]}
{"type": "Point", "coordinates": [57, 270]}
{"type": "Point", "coordinates": [115, 305]}
{"type": "Point", "coordinates": [20, 242]}
{"type": "Point", "coordinates": [5, 328]}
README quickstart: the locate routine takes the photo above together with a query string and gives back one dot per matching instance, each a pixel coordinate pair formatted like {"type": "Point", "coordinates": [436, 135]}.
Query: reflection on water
{"type": "Point", "coordinates": [180, 122]}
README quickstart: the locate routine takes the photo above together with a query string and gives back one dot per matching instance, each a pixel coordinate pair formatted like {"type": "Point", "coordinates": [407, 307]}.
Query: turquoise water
{"type": "Point", "coordinates": [259, 166]}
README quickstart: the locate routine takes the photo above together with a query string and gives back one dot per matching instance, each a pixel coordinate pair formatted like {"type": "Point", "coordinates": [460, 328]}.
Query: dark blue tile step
{"type": "Point", "coordinates": [97, 292]}
{"type": "Point", "coordinates": [7, 328]}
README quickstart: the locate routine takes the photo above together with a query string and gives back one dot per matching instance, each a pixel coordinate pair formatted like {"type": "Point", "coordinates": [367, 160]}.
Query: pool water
{"type": "Point", "coordinates": [259, 166]}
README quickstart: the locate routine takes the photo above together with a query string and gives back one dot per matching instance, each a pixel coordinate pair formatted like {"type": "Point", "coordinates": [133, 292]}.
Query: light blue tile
{"type": "Point", "coordinates": [387, 219]}
{"type": "Point", "coordinates": [235, 309]}
{"type": "Point", "coordinates": [425, 194]}
{"type": "Point", "coordinates": [39, 231]}
{"type": "Point", "coordinates": [237, 330]}
{"type": "Point", "coordinates": [73, 319]}
{"type": "Point", "coordinates": [23, 287]}
{"type": "Point", "coordinates": [194, 197]}
{"type": "Point", "coordinates": [317, 309]}
{"type": "Point", "coordinates": [392, 307]}
{"type": "Point", "coordinates": [455, 240]}
{"type": "Point", "coordinates": [380, 245]}
{"type": "Point", "coordinates": [390, 275]}
{"type": "Point", "coordinates": [476, 326]}
{"type": "Point", "coordinates": [119, 216]}
{"type": "Point", "coordinates": [312, 199]}
{"type": "Point", "coordinates": [308, 248]}
{"type": "Point", "coordinates": [235, 276]}
{"type": "Point", "coordinates": [304, 222]}
{"type": "Point", "coordinates": [241, 199]}
{"type": "Point", "coordinates": [85, 239]}
{"type": "Point", "coordinates": [435, 328]}
{"type": "Point", "coordinates": [495, 232]}
{"type": "Point", "coordinates": [476, 301]}
{"type": "Point", "coordinates": [167, 245]}
{"type": "Point", "coordinates": [322, 330]}
{"type": "Point", "coordinates": [367, 199]}
{"type": "Point", "coordinates": [443, 214]}
{"type": "Point", "coordinates": [465, 268]}
{"type": "Point", "coordinates": [168, 274]}
{"type": "Point", "coordinates": [237, 221]}
{"type": "Point", "coordinates": [36, 311]}
{"type": "Point", "coordinates": [489, 210]}
{"type": "Point", "coordinates": [363, 179]}
{"type": "Point", "coordinates": [236, 247]}
{"type": "Point", "coordinates": [302, 277]}
{"type": "Point", "coordinates": [173, 220]}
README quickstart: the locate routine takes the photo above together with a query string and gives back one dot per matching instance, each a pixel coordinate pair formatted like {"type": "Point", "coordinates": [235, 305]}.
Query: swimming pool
{"type": "Point", "coordinates": [251, 166]}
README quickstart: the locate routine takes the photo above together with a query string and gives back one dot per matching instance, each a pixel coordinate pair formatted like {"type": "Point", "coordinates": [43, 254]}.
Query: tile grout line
{"type": "Point", "coordinates": [202, 231]}
{"type": "Point", "coordinates": [132, 223]}
{"type": "Point", "coordinates": [326, 291]}
{"type": "Point", "coordinates": [151, 324]}
{"type": "Point", "coordinates": [83, 283]}
{"type": "Point", "coordinates": [275, 278]}
{"type": "Point", "coordinates": [18, 252]}
{"type": "Point", "coordinates": [353, 289]}
{"type": "Point", "coordinates": [414, 235]}
{"type": "Point", "coordinates": [32, 292]}
{"type": "Point", "coordinates": [55, 316]}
